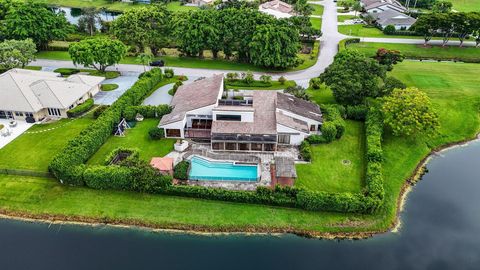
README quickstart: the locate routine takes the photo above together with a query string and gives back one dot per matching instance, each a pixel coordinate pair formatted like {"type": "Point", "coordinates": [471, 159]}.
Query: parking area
{"type": "Point", "coordinates": [9, 133]}
{"type": "Point", "coordinates": [124, 83]}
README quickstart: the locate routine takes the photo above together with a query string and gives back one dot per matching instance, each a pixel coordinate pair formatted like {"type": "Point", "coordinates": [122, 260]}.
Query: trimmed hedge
{"type": "Point", "coordinates": [147, 111]}
{"type": "Point", "coordinates": [181, 170]}
{"type": "Point", "coordinates": [65, 72]}
{"type": "Point", "coordinates": [156, 133]}
{"type": "Point", "coordinates": [306, 151]}
{"type": "Point", "coordinates": [134, 154]}
{"type": "Point", "coordinates": [67, 166]}
{"type": "Point", "coordinates": [81, 109]}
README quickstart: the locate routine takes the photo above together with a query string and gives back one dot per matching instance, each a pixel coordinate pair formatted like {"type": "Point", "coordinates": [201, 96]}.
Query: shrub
{"type": "Point", "coordinates": [306, 151]}
{"type": "Point", "coordinates": [315, 83]}
{"type": "Point", "coordinates": [65, 72]}
{"type": "Point", "coordinates": [109, 177]}
{"type": "Point", "coordinates": [357, 112]}
{"type": "Point", "coordinates": [282, 80]}
{"type": "Point", "coordinates": [81, 109]}
{"type": "Point", "coordinates": [181, 170]}
{"type": "Point", "coordinates": [156, 133]}
{"type": "Point", "coordinates": [176, 86]}
{"type": "Point", "coordinates": [99, 110]}
{"type": "Point", "coordinates": [232, 75]}
{"type": "Point", "coordinates": [329, 131]}
{"type": "Point", "coordinates": [133, 154]}
{"type": "Point", "coordinates": [248, 78]}
{"type": "Point", "coordinates": [168, 73]}
{"type": "Point", "coordinates": [316, 139]}
{"type": "Point", "coordinates": [109, 86]}
{"type": "Point", "coordinates": [332, 114]}
{"type": "Point", "coordinates": [266, 78]}
{"type": "Point", "coordinates": [389, 30]}
{"type": "Point", "coordinates": [147, 111]}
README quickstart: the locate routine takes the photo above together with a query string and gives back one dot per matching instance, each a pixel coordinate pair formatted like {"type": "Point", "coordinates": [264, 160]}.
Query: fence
{"type": "Point", "coordinates": [26, 173]}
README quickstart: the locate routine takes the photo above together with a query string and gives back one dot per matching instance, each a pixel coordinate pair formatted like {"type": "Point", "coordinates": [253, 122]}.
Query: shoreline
{"type": "Point", "coordinates": [395, 226]}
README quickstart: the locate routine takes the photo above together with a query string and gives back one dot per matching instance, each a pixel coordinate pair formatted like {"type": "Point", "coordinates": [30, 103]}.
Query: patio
{"type": "Point", "coordinates": [16, 131]}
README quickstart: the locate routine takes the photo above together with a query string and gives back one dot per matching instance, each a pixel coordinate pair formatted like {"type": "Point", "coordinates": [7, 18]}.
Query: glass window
{"type": "Point", "coordinates": [227, 117]}
{"type": "Point", "coordinates": [173, 133]}
{"type": "Point", "coordinates": [284, 138]}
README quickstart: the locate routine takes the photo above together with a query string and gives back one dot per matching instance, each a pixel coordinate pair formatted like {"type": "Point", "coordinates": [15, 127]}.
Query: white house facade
{"type": "Point", "coordinates": [260, 122]}
{"type": "Point", "coordinates": [277, 8]}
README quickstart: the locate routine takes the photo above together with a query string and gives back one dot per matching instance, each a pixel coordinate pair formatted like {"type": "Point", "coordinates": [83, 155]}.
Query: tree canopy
{"type": "Point", "coordinates": [353, 77]}
{"type": "Point", "coordinates": [98, 53]}
{"type": "Point", "coordinates": [16, 53]}
{"type": "Point", "coordinates": [409, 112]}
{"type": "Point", "coordinates": [144, 26]}
{"type": "Point", "coordinates": [36, 21]}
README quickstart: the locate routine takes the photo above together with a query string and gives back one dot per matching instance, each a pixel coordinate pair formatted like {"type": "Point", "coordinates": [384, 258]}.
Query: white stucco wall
{"type": "Point", "coordinates": [276, 14]}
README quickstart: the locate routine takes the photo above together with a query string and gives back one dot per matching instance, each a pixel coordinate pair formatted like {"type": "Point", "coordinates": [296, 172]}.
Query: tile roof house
{"type": "Point", "coordinates": [277, 8]}
{"type": "Point", "coordinates": [395, 18]}
{"type": "Point", "coordinates": [375, 6]}
{"type": "Point", "coordinates": [38, 94]}
{"type": "Point", "coordinates": [260, 122]}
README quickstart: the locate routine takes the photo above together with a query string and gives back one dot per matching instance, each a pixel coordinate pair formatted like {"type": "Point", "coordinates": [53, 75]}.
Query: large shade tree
{"type": "Point", "coordinates": [98, 53]}
{"type": "Point", "coordinates": [353, 77]}
{"type": "Point", "coordinates": [275, 46]}
{"type": "Point", "coordinates": [36, 21]}
{"type": "Point", "coordinates": [16, 53]}
{"type": "Point", "coordinates": [148, 26]}
{"type": "Point", "coordinates": [409, 112]}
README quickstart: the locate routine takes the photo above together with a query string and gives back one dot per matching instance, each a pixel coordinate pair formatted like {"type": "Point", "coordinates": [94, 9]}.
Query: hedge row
{"type": "Point", "coordinates": [81, 109]}
{"type": "Point", "coordinates": [374, 155]}
{"type": "Point", "coordinates": [146, 111]}
{"type": "Point", "coordinates": [306, 151]}
{"type": "Point", "coordinates": [67, 166]}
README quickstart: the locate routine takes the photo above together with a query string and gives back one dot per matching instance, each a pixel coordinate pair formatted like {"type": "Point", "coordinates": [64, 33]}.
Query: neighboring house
{"type": "Point", "coordinates": [391, 17]}
{"type": "Point", "coordinates": [277, 8]}
{"type": "Point", "coordinates": [377, 6]}
{"type": "Point", "coordinates": [260, 122]}
{"type": "Point", "coordinates": [202, 2]}
{"type": "Point", "coordinates": [38, 94]}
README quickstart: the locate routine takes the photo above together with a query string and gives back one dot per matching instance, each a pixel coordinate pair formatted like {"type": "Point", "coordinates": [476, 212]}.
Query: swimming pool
{"type": "Point", "coordinates": [203, 169]}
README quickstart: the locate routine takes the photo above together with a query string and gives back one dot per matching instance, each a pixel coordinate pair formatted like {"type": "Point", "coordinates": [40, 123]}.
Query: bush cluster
{"type": "Point", "coordinates": [156, 133]}
{"type": "Point", "coordinates": [65, 72]}
{"type": "Point", "coordinates": [168, 73]}
{"type": "Point", "coordinates": [99, 110]}
{"type": "Point", "coordinates": [81, 109]}
{"type": "Point", "coordinates": [243, 83]}
{"type": "Point", "coordinates": [147, 111]}
{"type": "Point", "coordinates": [306, 150]}
{"type": "Point", "coordinates": [356, 112]}
{"type": "Point", "coordinates": [181, 170]}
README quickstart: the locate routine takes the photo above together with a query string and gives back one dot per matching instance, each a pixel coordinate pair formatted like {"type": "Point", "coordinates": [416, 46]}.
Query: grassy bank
{"type": "Point", "coordinates": [360, 30]}
{"type": "Point", "coordinates": [465, 54]}
{"type": "Point", "coordinates": [193, 62]}
{"type": "Point", "coordinates": [317, 9]}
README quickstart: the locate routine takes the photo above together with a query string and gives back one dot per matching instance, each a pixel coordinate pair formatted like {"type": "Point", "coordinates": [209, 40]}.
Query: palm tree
{"type": "Point", "coordinates": [145, 59]}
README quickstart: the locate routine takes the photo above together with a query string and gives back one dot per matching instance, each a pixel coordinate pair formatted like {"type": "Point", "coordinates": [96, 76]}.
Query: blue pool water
{"type": "Point", "coordinates": [202, 169]}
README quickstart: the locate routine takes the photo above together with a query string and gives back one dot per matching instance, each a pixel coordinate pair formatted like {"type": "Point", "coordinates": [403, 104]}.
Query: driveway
{"type": "Point", "coordinates": [161, 95]}
{"type": "Point", "coordinates": [125, 81]}
{"type": "Point", "coordinates": [16, 131]}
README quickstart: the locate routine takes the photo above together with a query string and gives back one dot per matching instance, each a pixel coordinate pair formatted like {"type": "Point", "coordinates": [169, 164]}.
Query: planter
{"type": "Point", "coordinates": [180, 146]}
{"type": "Point", "coordinates": [12, 124]}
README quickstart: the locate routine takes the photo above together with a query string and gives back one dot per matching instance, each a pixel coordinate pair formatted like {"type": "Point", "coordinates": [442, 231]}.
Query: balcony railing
{"type": "Point", "coordinates": [233, 102]}
{"type": "Point", "coordinates": [198, 133]}
{"type": "Point", "coordinates": [243, 137]}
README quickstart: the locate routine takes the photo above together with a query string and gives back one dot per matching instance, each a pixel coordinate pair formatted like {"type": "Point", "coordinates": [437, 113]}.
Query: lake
{"type": "Point", "coordinates": [440, 230]}
{"type": "Point", "coordinates": [73, 14]}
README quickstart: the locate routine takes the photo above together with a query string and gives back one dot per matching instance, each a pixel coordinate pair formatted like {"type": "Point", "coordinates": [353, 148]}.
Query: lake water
{"type": "Point", "coordinates": [440, 230]}
{"type": "Point", "coordinates": [73, 14]}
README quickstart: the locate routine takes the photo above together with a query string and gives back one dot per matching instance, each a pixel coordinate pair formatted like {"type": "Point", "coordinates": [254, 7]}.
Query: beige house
{"type": "Point", "coordinates": [33, 95]}
{"type": "Point", "coordinates": [277, 8]}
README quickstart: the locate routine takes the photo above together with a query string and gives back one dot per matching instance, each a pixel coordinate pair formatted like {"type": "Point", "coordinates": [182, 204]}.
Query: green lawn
{"type": "Point", "coordinates": [322, 96]}
{"type": "Point", "coordinates": [360, 30]}
{"type": "Point", "coordinates": [109, 86]}
{"type": "Point", "coordinates": [110, 5]}
{"type": "Point", "coordinates": [466, 54]}
{"type": "Point", "coordinates": [316, 23]}
{"type": "Point", "coordinates": [136, 137]}
{"type": "Point", "coordinates": [190, 62]}
{"type": "Point", "coordinates": [39, 196]}
{"type": "Point", "coordinates": [34, 151]}
{"type": "Point", "coordinates": [342, 18]}
{"type": "Point", "coordinates": [317, 9]}
{"type": "Point", "coordinates": [466, 5]}
{"type": "Point", "coordinates": [327, 172]}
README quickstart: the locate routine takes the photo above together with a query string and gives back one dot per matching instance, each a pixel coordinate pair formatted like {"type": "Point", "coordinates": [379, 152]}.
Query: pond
{"type": "Point", "coordinates": [440, 230]}
{"type": "Point", "coordinates": [73, 14]}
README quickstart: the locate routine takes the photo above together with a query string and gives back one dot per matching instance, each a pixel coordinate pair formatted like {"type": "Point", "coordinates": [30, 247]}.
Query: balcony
{"type": "Point", "coordinates": [244, 137]}
{"type": "Point", "coordinates": [196, 133]}
{"type": "Point", "coordinates": [233, 102]}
